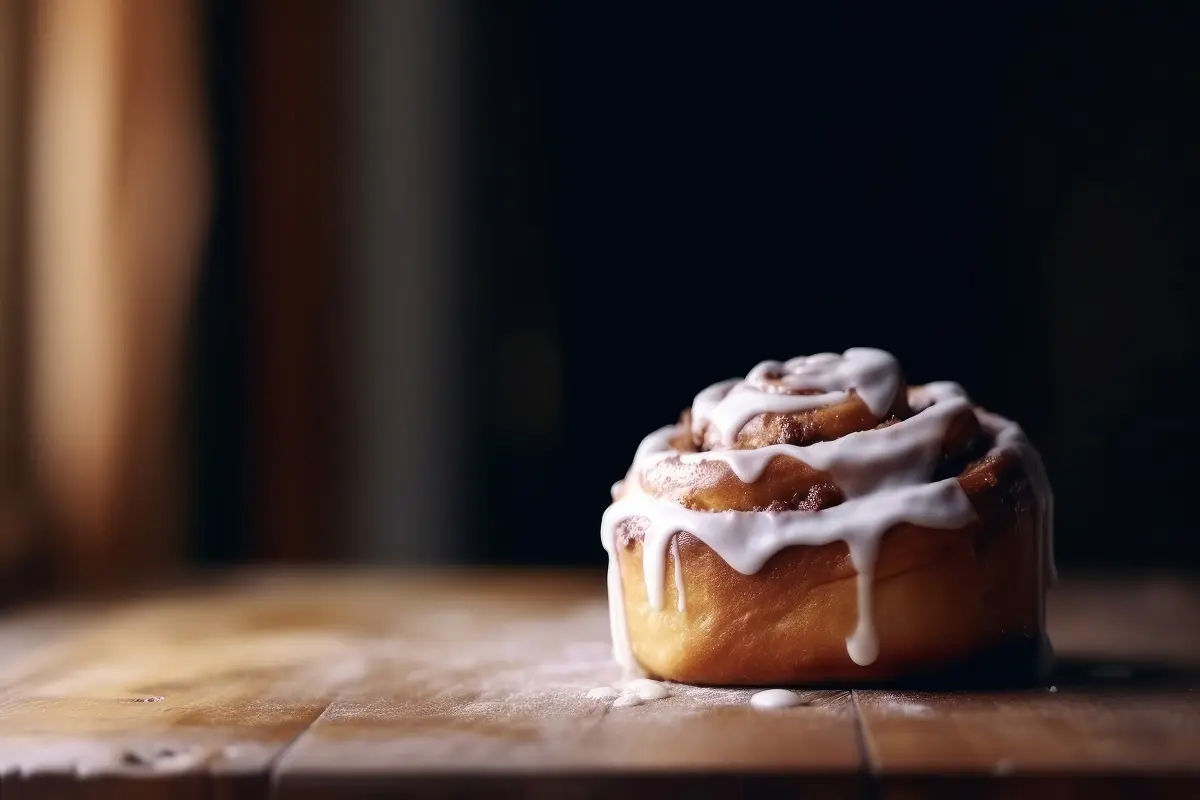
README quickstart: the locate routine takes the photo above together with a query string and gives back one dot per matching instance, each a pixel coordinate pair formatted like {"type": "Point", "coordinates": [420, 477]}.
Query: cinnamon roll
{"type": "Point", "coordinates": [821, 521]}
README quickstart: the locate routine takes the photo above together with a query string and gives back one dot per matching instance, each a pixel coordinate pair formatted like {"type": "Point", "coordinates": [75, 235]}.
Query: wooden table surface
{"type": "Point", "coordinates": [351, 684]}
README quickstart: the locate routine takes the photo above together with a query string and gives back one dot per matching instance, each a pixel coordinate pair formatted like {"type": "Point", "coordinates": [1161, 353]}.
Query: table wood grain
{"type": "Point", "coordinates": [351, 684]}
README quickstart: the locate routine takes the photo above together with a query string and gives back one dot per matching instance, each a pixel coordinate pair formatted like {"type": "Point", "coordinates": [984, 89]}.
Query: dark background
{"type": "Point", "coordinates": [653, 198]}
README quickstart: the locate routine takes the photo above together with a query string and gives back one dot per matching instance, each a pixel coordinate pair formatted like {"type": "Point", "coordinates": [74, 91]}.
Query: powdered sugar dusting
{"type": "Point", "coordinates": [900, 704]}
{"type": "Point", "coordinates": [909, 709]}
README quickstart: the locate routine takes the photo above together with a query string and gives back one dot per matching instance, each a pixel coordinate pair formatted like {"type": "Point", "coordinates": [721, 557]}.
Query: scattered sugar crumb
{"type": "Point", "coordinates": [603, 693]}
{"type": "Point", "coordinates": [1054, 688]}
{"type": "Point", "coordinates": [1004, 766]}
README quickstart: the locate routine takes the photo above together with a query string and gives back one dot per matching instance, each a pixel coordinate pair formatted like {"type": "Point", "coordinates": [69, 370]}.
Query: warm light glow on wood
{"type": "Point", "coordinates": [14, 528]}
{"type": "Point", "coordinates": [118, 193]}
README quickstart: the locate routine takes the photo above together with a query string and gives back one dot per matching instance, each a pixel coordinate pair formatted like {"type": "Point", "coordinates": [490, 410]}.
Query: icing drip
{"type": "Point", "coordinates": [776, 698]}
{"type": "Point", "coordinates": [772, 387]}
{"type": "Point", "coordinates": [681, 601]}
{"type": "Point", "coordinates": [616, 613]}
{"type": "Point", "coordinates": [883, 473]}
{"type": "Point", "coordinates": [747, 539]}
{"type": "Point", "coordinates": [863, 645]}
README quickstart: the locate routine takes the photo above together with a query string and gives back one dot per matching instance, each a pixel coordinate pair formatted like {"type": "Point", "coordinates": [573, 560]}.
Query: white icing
{"type": "Point", "coordinates": [681, 599]}
{"type": "Point", "coordinates": [634, 692]}
{"type": "Point", "coordinates": [747, 539]}
{"type": "Point", "coordinates": [647, 689]}
{"type": "Point", "coordinates": [775, 698]}
{"type": "Point", "coordinates": [922, 397]}
{"type": "Point", "coordinates": [883, 474]}
{"type": "Point", "coordinates": [873, 375]}
{"type": "Point", "coordinates": [863, 644]}
{"type": "Point", "coordinates": [859, 463]}
{"type": "Point", "coordinates": [616, 616]}
{"type": "Point", "coordinates": [707, 401]}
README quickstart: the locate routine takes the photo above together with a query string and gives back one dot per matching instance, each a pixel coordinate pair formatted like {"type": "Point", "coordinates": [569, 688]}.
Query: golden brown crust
{"type": "Point", "coordinates": [940, 597]}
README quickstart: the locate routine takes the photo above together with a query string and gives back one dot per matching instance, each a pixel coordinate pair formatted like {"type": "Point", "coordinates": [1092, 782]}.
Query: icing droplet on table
{"type": "Point", "coordinates": [776, 698]}
{"type": "Point", "coordinates": [603, 693]}
{"type": "Point", "coordinates": [627, 700]}
{"type": "Point", "coordinates": [647, 689]}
